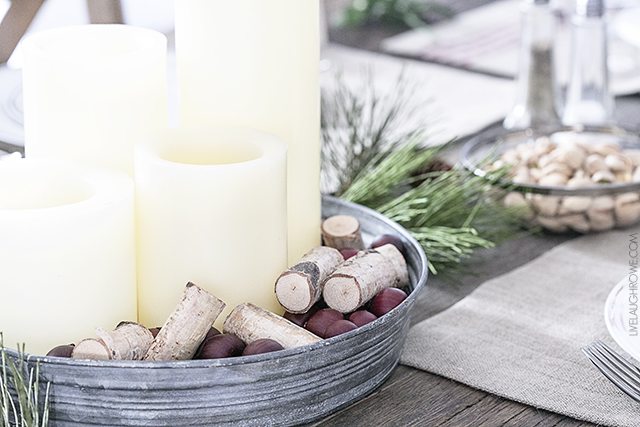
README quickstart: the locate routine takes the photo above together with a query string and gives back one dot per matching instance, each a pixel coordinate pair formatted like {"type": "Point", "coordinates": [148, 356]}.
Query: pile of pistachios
{"type": "Point", "coordinates": [572, 164]}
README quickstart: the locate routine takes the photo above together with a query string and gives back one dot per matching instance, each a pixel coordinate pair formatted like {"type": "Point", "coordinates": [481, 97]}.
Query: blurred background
{"type": "Point", "coordinates": [460, 55]}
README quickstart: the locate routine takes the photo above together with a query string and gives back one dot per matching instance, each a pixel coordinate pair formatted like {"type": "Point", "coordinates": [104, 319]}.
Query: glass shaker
{"type": "Point", "coordinates": [535, 104]}
{"type": "Point", "coordinates": [589, 101]}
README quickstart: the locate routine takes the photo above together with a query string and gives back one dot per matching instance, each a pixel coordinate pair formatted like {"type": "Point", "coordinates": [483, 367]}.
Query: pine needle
{"type": "Point", "coordinates": [360, 126]}
{"type": "Point", "coordinates": [385, 173]}
{"type": "Point", "coordinates": [447, 214]}
{"type": "Point", "coordinates": [447, 245]}
{"type": "Point", "coordinates": [20, 392]}
{"type": "Point", "coordinates": [370, 161]}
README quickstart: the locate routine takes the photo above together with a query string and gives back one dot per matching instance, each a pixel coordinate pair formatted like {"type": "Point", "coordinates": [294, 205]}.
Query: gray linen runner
{"type": "Point", "coordinates": [519, 335]}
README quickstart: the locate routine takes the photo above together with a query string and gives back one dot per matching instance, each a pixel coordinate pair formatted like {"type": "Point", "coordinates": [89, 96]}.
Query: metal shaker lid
{"type": "Point", "coordinates": [590, 8]}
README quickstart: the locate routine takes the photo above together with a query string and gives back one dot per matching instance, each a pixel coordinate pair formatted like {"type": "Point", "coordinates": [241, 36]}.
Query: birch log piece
{"type": "Point", "coordinates": [359, 279]}
{"type": "Point", "coordinates": [91, 349]}
{"type": "Point", "coordinates": [187, 326]}
{"type": "Point", "coordinates": [129, 341]}
{"type": "Point", "coordinates": [300, 287]}
{"type": "Point", "coordinates": [250, 323]}
{"type": "Point", "coordinates": [342, 232]}
{"type": "Point", "coordinates": [395, 258]}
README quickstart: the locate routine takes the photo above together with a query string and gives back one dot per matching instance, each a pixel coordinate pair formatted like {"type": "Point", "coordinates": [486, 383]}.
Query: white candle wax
{"type": "Point", "coordinates": [211, 209]}
{"type": "Point", "coordinates": [255, 63]}
{"type": "Point", "coordinates": [91, 92]}
{"type": "Point", "coordinates": [67, 252]}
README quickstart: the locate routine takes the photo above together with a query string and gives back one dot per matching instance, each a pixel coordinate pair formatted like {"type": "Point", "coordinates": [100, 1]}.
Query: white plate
{"type": "Point", "coordinates": [617, 317]}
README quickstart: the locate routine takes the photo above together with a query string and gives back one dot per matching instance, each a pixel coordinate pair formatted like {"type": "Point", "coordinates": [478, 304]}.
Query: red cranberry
{"type": "Point", "coordinates": [388, 239]}
{"type": "Point", "coordinates": [362, 317]}
{"type": "Point", "coordinates": [348, 253]}
{"type": "Point", "coordinates": [340, 327]}
{"type": "Point", "coordinates": [261, 346]}
{"type": "Point", "coordinates": [61, 351]}
{"type": "Point", "coordinates": [387, 300]}
{"type": "Point", "coordinates": [302, 318]}
{"type": "Point", "coordinates": [220, 346]}
{"type": "Point", "coordinates": [320, 321]}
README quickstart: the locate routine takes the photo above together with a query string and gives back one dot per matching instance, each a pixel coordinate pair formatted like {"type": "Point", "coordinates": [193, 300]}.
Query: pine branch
{"type": "Point", "coordinates": [359, 125]}
{"type": "Point", "coordinates": [389, 170]}
{"type": "Point", "coordinates": [448, 246]}
{"type": "Point", "coordinates": [371, 162]}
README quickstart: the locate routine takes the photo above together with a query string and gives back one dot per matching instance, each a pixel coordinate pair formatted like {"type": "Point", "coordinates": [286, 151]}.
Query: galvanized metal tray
{"type": "Point", "coordinates": [279, 389]}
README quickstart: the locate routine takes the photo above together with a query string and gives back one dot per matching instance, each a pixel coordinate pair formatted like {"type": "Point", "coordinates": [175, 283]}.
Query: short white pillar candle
{"type": "Point", "coordinates": [255, 63]}
{"type": "Point", "coordinates": [67, 252]}
{"type": "Point", "coordinates": [91, 92]}
{"type": "Point", "coordinates": [211, 209]}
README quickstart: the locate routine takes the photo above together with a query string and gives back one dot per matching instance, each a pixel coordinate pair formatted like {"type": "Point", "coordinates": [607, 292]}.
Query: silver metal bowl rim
{"type": "Point", "coordinates": [599, 190]}
{"type": "Point", "coordinates": [245, 360]}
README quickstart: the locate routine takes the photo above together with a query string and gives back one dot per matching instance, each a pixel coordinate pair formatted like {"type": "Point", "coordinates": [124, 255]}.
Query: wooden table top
{"type": "Point", "coordinates": [416, 398]}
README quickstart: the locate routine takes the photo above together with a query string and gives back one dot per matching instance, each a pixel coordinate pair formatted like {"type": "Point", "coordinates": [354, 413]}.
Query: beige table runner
{"type": "Point", "coordinates": [519, 335]}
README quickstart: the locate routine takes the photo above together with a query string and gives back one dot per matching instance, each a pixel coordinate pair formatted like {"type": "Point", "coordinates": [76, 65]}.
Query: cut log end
{"type": "Point", "coordinates": [295, 292]}
{"type": "Point", "coordinates": [360, 278]}
{"type": "Point", "coordinates": [129, 341]}
{"type": "Point", "coordinates": [300, 287]}
{"type": "Point", "coordinates": [342, 232]}
{"type": "Point", "coordinates": [343, 293]}
{"type": "Point", "coordinates": [91, 349]}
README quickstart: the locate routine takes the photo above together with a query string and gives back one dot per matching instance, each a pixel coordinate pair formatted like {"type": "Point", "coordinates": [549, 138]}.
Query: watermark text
{"type": "Point", "coordinates": [632, 278]}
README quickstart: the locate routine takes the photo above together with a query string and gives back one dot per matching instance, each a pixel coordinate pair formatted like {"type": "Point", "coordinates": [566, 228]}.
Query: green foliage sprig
{"type": "Point", "coordinates": [20, 393]}
{"type": "Point", "coordinates": [370, 160]}
{"type": "Point", "coordinates": [360, 127]}
{"type": "Point", "coordinates": [394, 13]}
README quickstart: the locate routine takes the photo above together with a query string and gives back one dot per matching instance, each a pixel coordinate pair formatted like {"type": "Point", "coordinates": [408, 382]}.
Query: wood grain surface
{"type": "Point", "coordinates": [416, 398]}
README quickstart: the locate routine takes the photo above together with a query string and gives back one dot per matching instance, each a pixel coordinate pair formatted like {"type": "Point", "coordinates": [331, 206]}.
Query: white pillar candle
{"type": "Point", "coordinates": [91, 92]}
{"type": "Point", "coordinates": [255, 63]}
{"type": "Point", "coordinates": [67, 252]}
{"type": "Point", "coordinates": [211, 209]}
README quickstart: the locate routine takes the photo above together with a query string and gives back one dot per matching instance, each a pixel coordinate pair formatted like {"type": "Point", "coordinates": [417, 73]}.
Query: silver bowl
{"type": "Point", "coordinates": [280, 389]}
{"type": "Point", "coordinates": [543, 204]}
{"type": "Point", "coordinates": [480, 151]}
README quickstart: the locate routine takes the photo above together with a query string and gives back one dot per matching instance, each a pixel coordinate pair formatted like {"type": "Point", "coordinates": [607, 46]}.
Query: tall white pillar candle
{"type": "Point", "coordinates": [211, 209]}
{"type": "Point", "coordinates": [91, 92]}
{"type": "Point", "coordinates": [67, 252]}
{"type": "Point", "coordinates": [255, 63]}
